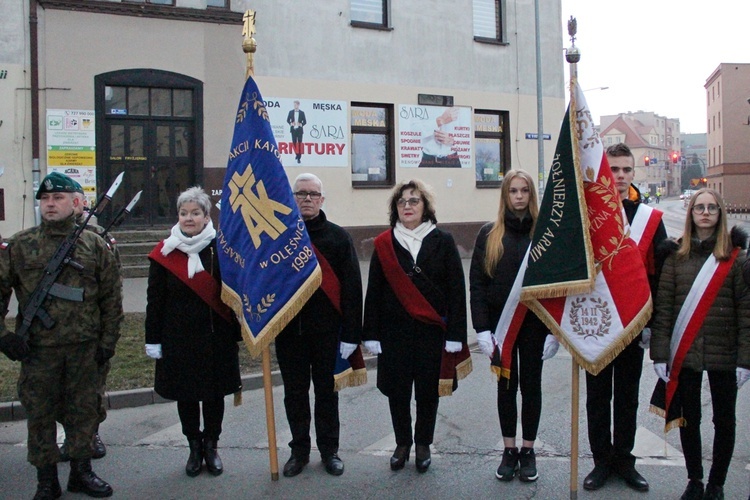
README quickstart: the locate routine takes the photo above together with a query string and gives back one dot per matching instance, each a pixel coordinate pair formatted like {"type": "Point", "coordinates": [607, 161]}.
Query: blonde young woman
{"type": "Point", "coordinates": [707, 265]}
{"type": "Point", "coordinates": [498, 252]}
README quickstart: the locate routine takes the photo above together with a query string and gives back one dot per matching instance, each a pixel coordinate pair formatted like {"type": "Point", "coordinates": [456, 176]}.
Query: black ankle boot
{"type": "Point", "coordinates": [423, 459]}
{"type": "Point", "coordinates": [83, 480]}
{"type": "Point", "coordinates": [195, 460]}
{"type": "Point", "coordinates": [211, 455]}
{"type": "Point", "coordinates": [49, 486]}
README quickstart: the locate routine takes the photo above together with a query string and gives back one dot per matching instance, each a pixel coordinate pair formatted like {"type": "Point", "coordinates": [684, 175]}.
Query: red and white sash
{"type": "Point", "coordinates": [509, 324]}
{"type": "Point", "coordinates": [642, 230]}
{"type": "Point", "coordinates": [692, 314]}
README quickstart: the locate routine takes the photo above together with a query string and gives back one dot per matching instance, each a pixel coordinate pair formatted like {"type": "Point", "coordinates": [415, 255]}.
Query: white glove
{"type": "Point", "coordinates": [551, 345]}
{"type": "Point", "coordinates": [661, 371]}
{"type": "Point", "coordinates": [645, 342]}
{"type": "Point", "coordinates": [486, 343]}
{"type": "Point", "coordinates": [153, 351]}
{"type": "Point", "coordinates": [346, 349]}
{"type": "Point", "coordinates": [373, 346]}
{"type": "Point", "coordinates": [451, 346]}
{"type": "Point", "coordinates": [743, 374]}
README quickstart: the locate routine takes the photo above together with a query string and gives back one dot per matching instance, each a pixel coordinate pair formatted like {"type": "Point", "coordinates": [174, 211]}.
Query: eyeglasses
{"type": "Point", "coordinates": [711, 208]}
{"type": "Point", "coordinates": [412, 202]}
{"type": "Point", "coordinates": [625, 170]}
{"type": "Point", "coordinates": [314, 195]}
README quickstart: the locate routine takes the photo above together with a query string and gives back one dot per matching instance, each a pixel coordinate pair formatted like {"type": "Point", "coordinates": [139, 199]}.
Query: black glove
{"type": "Point", "coordinates": [14, 347]}
{"type": "Point", "coordinates": [103, 355]}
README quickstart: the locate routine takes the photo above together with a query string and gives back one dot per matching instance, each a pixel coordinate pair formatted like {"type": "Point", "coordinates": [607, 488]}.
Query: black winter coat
{"type": "Point", "coordinates": [488, 294]}
{"type": "Point", "coordinates": [199, 347]}
{"type": "Point", "coordinates": [318, 313]}
{"type": "Point", "coordinates": [412, 350]}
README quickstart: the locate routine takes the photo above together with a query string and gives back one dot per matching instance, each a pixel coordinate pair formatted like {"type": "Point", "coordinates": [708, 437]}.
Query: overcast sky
{"type": "Point", "coordinates": [655, 55]}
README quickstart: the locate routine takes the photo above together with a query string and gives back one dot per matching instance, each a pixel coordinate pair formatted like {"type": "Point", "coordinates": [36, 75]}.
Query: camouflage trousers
{"type": "Point", "coordinates": [101, 395]}
{"type": "Point", "coordinates": [60, 382]}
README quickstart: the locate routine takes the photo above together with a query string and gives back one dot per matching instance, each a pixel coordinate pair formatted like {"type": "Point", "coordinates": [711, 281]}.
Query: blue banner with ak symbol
{"type": "Point", "coordinates": [268, 266]}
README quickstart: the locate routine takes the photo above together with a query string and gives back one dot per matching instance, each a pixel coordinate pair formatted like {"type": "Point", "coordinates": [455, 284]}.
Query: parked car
{"type": "Point", "coordinates": [687, 194]}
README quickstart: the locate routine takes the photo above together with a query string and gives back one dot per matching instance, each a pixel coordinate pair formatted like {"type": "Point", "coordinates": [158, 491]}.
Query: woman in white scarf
{"type": "Point", "coordinates": [410, 351]}
{"type": "Point", "coordinates": [194, 346]}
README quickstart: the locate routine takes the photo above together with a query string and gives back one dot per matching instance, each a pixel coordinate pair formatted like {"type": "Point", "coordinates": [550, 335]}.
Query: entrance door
{"type": "Point", "coordinates": [149, 125]}
{"type": "Point", "coordinates": [157, 158]}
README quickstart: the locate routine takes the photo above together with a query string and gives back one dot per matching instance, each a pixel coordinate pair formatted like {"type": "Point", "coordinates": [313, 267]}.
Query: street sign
{"type": "Point", "coordinates": [534, 135]}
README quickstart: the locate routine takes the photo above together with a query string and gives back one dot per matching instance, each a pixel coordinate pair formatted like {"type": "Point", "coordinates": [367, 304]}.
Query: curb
{"type": "Point", "coordinates": [13, 411]}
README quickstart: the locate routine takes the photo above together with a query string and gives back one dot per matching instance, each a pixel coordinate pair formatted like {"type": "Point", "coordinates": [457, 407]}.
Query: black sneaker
{"type": "Point", "coordinates": [713, 492]}
{"type": "Point", "coordinates": [509, 465]}
{"type": "Point", "coordinates": [527, 470]}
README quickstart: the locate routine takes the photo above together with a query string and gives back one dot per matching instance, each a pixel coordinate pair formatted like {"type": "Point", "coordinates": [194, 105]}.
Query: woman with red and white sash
{"type": "Point", "coordinates": [415, 318]}
{"type": "Point", "coordinates": [702, 323]}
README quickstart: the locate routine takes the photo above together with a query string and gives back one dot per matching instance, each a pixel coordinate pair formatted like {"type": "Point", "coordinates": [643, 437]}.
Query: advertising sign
{"type": "Point", "coordinates": [71, 146]}
{"type": "Point", "coordinates": [434, 136]}
{"type": "Point", "coordinates": [310, 132]}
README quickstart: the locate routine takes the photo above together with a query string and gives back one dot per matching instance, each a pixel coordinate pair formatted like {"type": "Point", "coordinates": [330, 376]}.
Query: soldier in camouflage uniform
{"type": "Point", "coordinates": [97, 445]}
{"type": "Point", "coordinates": [59, 366]}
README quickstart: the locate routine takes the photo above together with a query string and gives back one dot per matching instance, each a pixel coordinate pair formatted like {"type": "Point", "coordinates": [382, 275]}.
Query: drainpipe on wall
{"type": "Point", "coordinates": [34, 62]}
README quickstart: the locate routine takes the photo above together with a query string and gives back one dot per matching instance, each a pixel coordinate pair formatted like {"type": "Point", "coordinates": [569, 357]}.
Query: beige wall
{"type": "Point", "coordinates": [307, 50]}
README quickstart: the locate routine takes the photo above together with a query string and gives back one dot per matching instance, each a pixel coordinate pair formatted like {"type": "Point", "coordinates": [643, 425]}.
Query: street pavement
{"type": "Point", "coordinates": [147, 451]}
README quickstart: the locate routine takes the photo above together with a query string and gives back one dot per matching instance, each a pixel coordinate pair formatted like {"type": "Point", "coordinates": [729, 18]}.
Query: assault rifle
{"type": "Point", "coordinates": [63, 256]}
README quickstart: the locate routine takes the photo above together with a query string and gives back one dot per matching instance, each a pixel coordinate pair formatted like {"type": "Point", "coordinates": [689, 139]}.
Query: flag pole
{"type": "Point", "coordinates": [248, 46]}
{"type": "Point", "coordinates": [572, 56]}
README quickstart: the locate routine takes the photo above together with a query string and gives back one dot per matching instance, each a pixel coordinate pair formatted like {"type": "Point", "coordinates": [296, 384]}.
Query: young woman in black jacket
{"type": "Point", "coordinates": [498, 253]}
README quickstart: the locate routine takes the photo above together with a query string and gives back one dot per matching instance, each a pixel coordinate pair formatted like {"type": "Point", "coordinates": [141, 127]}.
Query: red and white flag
{"type": "Point", "coordinates": [585, 277]}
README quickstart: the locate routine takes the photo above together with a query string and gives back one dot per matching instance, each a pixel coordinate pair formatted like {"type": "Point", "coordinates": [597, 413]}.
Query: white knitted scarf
{"type": "Point", "coordinates": [411, 239]}
{"type": "Point", "coordinates": [190, 245]}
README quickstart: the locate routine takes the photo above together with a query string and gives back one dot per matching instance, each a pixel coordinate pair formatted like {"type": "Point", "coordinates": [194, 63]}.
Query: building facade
{"type": "Point", "coordinates": [728, 132]}
{"type": "Point", "coordinates": [656, 144]}
{"type": "Point", "coordinates": [150, 88]}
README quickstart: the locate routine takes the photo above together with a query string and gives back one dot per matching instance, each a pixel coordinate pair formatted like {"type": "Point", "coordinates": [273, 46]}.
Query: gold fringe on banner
{"type": "Point", "coordinates": [238, 398]}
{"type": "Point", "coordinates": [349, 378]}
{"type": "Point", "coordinates": [464, 368]}
{"type": "Point", "coordinates": [263, 339]}
{"type": "Point", "coordinates": [445, 387]}
{"type": "Point", "coordinates": [614, 349]}
{"type": "Point", "coordinates": [673, 424]}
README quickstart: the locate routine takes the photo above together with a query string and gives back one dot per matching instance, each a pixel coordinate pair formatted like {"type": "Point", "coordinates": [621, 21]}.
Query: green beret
{"type": "Point", "coordinates": [79, 188]}
{"type": "Point", "coordinates": [56, 182]}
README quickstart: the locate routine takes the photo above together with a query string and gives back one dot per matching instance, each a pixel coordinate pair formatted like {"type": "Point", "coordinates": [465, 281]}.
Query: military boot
{"type": "Point", "coordinates": [83, 480]}
{"type": "Point", "coordinates": [97, 447]}
{"type": "Point", "coordinates": [49, 486]}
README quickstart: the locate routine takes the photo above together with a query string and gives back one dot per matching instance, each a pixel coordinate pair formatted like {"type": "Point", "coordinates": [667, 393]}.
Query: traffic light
{"type": "Point", "coordinates": [675, 157]}
{"type": "Point", "coordinates": [647, 161]}
{"type": "Point", "coordinates": [704, 181]}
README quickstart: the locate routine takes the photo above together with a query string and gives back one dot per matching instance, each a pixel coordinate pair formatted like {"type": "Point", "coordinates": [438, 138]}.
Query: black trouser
{"type": "Point", "coordinates": [424, 427]}
{"type": "Point", "coordinates": [526, 362]}
{"type": "Point", "coordinates": [297, 142]}
{"type": "Point", "coordinates": [190, 418]}
{"type": "Point", "coordinates": [624, 373]}
{"type": "Point", "coordinates": [301, 355]}
{"type": "Point", "coordinates": [723, 400]}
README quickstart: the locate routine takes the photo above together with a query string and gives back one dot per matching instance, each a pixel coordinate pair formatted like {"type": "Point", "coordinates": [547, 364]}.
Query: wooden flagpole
{"type": "Point", "coordinates": [572, 55]}
{"type": "Point", "coordinates": [574, 431]}
{"type": "Point", "coordinates": [248, 46]}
